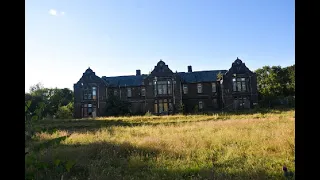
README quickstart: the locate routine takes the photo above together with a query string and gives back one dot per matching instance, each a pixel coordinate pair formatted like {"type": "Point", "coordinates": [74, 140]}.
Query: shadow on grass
{"type": "Point", "coordinates": [104, 160]}
{"type": "Point", "coordinates": [51, 126]}
{"type": "Point", "coordinates": [82, 126]}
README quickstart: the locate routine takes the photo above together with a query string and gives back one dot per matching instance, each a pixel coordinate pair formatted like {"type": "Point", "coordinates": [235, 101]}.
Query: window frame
{"type": "Point", "coordinates": [129, 90]}
{"type": "Point", "coordinates": [185, 88]}
{"type": "Point", "coordinates": [199, 86]}
{"type": "Point", "coordinates": [200, 105]}
{"type": "Point", "coordinates": [214, 87]}
{"type": "Point", "coordinates": [143, 91]}
{"type": "Point", "coordinates": [240, 83]}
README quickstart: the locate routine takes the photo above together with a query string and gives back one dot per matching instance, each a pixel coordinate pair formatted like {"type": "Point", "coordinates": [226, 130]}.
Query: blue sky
{"type": "Point", "coordinates": [116, 37]}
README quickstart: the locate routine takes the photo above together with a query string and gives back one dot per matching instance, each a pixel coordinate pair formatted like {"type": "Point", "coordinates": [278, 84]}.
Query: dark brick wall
{"type": "Point", "coordinates": [192, 98]}
{"type": "Point", "coordinates": [141, 104]}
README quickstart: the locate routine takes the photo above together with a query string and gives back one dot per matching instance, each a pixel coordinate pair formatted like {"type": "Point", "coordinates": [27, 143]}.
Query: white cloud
{"type": "Point", "coordinates": [53, 12]}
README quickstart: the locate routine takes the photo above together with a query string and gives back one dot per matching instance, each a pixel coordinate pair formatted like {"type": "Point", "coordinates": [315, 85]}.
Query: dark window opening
{"type": "Point", "coordinates": [239, 84]}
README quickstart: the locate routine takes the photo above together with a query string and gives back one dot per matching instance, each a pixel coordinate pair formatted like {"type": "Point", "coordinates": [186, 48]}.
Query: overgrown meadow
{"type": "Point", "coordinates": [218, 146]}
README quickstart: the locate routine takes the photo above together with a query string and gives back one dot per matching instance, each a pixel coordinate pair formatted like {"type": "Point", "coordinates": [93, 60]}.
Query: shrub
{"type": "Point", "coordinates": [64, 112]}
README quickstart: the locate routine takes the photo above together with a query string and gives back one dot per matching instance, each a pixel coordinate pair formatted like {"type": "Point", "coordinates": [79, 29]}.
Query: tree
{"type": "Point", "coordinates": [65, 112]}
{"type": "Point", "coordinates": [52, 98]}
{"type": "Point", "coordinates": [36, 87]}
{"type": "Point", "coordinates": [117, 107]}
{"type": "Point", "coordinates": [219, 76]}
{"type": "Point", "coordinates": [275, 82]}
{"type": "Point", "coordinates": [290, 83]}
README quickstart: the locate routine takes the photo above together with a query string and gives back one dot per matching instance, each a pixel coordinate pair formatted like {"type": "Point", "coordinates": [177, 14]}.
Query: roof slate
{"type": "Point", "coordinates": [200, 76]}
{"type": "Point", "coordinates": [117, 81]}
{"type": "Point", "coordinates": [188, 77]}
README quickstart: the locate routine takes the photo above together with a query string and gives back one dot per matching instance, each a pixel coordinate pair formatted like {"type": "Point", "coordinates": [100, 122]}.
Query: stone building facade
{"type": "Point", "coordinates": [166, 92]}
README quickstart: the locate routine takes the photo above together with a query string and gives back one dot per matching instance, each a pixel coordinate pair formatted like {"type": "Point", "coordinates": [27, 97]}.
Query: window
{"type": "Point", "coordinates": [170, 105]}
{"type": "Point", "coordinates": [200, 105]}
{"type": "Point", "coordinates": [241, 102]}
{"type": "Point", "coordinates": [115, 92]}
{"type": "Point", "coordinates": [214, 87]}
{"type": "Point", "coordinates": [185, 89]}
{"type": "Point", "coordinates": [215, 103]}
{"type": "Point", "coordinates": [87, 93]}
{"type": "Point", "coordinates": [163, 105]}
{"type": "Point", "coordinates": [239, 84]}
{"type": "Point", "coordinates": [155, 107]}
{"type": "Point", "coordinates": [94, 92]}
{"type": "Point", "coordinates": [199, 87]}
{"type": "Point", "coordinates": [88, 109]}
{"type": "Point", "coordinates": [155, 87]}
{"type": "Point", "coordinates": [169, 87]}
{"type": "Point", "coordinates": [160, 106]}
{"type": "Point", "coordinates": [143, 91]}
{"type": "Point", "coordinates": [162, 87]}
{"type": "Point", "coordinates": [129, 92]}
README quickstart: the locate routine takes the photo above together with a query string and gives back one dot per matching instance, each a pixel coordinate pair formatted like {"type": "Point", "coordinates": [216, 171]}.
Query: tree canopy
{"type": "Point", "coordinates": [276, 81]}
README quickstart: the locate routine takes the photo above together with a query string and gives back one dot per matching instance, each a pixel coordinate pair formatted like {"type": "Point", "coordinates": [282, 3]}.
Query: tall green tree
{"type": "Point", "coordinates": [52, 98]}
{"type": "Point", "coordinates": [276, 81]}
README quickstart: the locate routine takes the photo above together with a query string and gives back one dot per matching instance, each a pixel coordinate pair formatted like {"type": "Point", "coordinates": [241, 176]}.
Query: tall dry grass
{"type": "Point", "coordinates": [220, 146]}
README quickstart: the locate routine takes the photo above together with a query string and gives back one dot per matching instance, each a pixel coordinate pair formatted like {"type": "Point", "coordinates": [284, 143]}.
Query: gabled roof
{"type": "Point", "coordinates": [188, 77]}
{"type": "Point", "coordinates": [200, 76]}
{"type": "Point", "coordinates": [122, 81]}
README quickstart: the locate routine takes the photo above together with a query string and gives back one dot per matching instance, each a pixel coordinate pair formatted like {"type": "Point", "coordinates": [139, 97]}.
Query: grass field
{"type": "Point", "coordinates": [220, 146]}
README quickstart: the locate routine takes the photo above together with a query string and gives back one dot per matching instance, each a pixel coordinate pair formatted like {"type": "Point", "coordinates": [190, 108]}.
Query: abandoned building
{"type": "Point", "coordinates": [165, 92]}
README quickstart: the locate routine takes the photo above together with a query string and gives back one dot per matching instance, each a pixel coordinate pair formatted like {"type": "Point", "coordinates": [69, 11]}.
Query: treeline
{"type": "Point", "coordinates": [44, 102]}
{"type": "Point", "coordinates": [276, 86]}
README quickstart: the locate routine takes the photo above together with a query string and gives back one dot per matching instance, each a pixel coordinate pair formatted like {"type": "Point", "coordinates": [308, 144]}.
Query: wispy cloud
{"type": "Point", "coordinates": [54, 12]}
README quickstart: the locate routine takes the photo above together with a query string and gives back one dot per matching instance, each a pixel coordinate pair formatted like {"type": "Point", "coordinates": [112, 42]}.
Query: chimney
{"type": "Point", "coordinates": [189, 68]}
{"type": "Point", "coordinates": [138, 72]}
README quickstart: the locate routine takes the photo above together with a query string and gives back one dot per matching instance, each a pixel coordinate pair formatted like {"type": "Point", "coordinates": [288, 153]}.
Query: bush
{"type": "Point", "coordinates": [148, 113]}
{"type": "Point", "coordinates": [181, 108]}
{"type": "Point", "coordinates": [117, 107]}
{"type": "Point", "coordinates": [64, 112]}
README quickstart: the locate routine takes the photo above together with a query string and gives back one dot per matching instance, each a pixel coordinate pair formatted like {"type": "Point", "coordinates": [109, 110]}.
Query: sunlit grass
{"type": "Point", "coordinates": [225, 146]}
